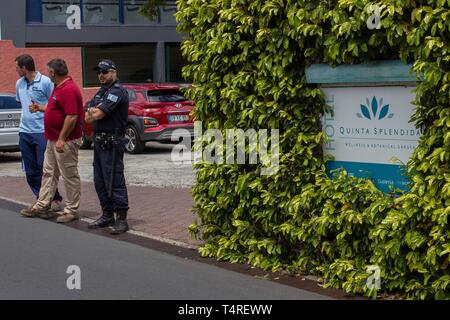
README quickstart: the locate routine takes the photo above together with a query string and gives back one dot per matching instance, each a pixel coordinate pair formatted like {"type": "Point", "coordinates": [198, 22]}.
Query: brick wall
{"type": "Point", "coordinates": [9, 76]}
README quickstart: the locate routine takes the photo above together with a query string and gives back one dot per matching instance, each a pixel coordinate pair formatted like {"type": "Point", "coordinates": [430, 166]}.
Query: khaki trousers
{"type": "Point", "coordinates": [61, 164]}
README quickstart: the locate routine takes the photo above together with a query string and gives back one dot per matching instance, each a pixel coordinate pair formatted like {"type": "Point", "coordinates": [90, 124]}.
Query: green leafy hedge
{"type": "Point", "coordinates": [247, 62]}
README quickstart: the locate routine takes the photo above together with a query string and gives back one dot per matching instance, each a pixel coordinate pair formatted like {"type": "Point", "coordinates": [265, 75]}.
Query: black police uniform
{"type": "Point", "coordinates": [109, 139]}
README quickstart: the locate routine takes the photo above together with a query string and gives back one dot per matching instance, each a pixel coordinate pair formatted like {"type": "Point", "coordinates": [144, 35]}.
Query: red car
{"type": "Point", "coordinates": [155, 111]}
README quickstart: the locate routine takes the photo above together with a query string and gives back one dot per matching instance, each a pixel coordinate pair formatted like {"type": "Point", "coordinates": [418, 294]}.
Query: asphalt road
{"type": "Point", "coordinates": [35, 255]}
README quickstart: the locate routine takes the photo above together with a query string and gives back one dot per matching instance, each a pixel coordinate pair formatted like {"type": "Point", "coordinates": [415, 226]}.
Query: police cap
{"type": "Point", "coordinates": [105, 65]}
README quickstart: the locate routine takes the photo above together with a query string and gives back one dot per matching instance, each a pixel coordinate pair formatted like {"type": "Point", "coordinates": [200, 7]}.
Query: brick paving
{"type": "Point", "coordinates": [159, 212]}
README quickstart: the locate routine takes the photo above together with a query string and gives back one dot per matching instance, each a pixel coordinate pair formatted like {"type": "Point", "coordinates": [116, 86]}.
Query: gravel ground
{"type": "Point", "coordinates": [153, 168]}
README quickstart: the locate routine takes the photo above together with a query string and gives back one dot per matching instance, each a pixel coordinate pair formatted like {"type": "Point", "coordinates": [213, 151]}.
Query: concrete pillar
{"type": "Point", "coordinates": [159, 68]}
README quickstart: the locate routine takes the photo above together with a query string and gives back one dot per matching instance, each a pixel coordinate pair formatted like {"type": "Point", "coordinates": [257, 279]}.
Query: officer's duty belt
{"type": "Point", "coordinates": [107, 136]}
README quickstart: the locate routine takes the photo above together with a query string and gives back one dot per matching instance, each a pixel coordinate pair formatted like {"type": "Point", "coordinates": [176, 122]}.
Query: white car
{"type": "Point", "coordinates": [10, 112]}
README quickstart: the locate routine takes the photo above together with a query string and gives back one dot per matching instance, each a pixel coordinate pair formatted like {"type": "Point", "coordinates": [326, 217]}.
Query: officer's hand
{"type": "Point", "coordinates": [60, 146]}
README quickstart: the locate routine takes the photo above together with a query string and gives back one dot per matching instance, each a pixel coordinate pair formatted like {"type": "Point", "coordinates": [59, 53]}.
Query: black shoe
{"type": "Point", "coordinates": [106, 220]}
{"type": "Point", "coordinates": [121, 225]}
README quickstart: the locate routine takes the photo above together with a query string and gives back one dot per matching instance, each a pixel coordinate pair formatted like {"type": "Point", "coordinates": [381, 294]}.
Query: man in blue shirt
{"type": "Point", "coordinates": [32, 88]}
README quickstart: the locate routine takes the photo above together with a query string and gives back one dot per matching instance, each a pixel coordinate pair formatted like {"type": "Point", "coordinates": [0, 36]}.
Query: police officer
{"type": "Point", "coordinates": [108, 112]}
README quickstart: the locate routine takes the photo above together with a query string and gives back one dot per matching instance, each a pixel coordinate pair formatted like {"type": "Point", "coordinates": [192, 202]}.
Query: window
{"type": "Point", "coordinates": [131, 95]}
{"type": "Point", "coordinates": [167, 13]}
{"type": "Point", "coordinates": [54, 11]}
{"type": "Point", "coordinates": [7, 102]}
{"type": "Point", "coordinates": [101, 11]}
{"type": "Point", "coordinates": [132, 14]}
{"type": "Point", "coordinates": [165, 96]}
{"type": "Point", "coordinates": [141, 95]}
{"type": "Point", "coordinates": [134, 62]}
{"type": "Point", "coordinates": [109, 12]}
{"type": "Point", "coordinates": [174, 63]}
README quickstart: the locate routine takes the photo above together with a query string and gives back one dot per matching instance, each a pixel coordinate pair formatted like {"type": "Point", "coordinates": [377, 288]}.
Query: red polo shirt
{"type": "Point", "coordinates": [65, 100]}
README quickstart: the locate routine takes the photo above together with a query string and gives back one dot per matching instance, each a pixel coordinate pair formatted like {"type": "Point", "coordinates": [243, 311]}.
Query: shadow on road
{"type": "Point", "coordinates": [158, 148]}
{"type": "Point", "coordinates": [10, 157]}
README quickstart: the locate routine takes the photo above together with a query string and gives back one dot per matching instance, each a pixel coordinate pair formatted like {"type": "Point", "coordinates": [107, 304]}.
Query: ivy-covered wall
{"type": "Point", "coordinates": [247, 61]}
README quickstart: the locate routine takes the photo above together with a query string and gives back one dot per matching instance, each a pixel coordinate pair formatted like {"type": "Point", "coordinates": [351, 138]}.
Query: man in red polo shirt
{"type": "Point", "coordinates": [62, 126]}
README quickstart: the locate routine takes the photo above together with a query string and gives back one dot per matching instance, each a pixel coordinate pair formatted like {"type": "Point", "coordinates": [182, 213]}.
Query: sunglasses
{"type": "Point", "coordinates": [102, 72]}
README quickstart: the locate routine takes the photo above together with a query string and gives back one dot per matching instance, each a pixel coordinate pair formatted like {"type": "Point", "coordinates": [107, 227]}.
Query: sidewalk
{"type": "Point", "coordinates": [158, 212]}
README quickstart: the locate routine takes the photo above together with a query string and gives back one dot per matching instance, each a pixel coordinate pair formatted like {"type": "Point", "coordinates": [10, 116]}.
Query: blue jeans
{"type": "Point", "coordinates": [32, 146]}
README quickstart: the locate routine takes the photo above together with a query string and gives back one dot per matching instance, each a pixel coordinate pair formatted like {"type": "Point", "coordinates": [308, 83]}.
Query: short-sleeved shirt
{"type": "Point", "coordinates": [65, 100]}
{"type": "Point", "coordinates": [39, 90]}
{"type": "Point", "coordinates": [113, 100]}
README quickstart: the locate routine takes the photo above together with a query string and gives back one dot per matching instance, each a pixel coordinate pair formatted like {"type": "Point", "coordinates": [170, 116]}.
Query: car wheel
{"type": "Point", "coordinates": [134, 144]}
{"type": "Point", "coordinates": [85, 142]}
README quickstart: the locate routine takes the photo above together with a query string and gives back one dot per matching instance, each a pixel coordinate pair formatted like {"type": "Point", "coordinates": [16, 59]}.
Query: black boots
{"type": "Point", "coordinates": [106, 220]}
{"type": "Point", "coordinates": [121, 225]}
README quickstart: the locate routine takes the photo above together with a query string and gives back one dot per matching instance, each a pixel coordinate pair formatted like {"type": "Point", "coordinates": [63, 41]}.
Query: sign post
{"type": "Point", "coordinates": [368, 130]}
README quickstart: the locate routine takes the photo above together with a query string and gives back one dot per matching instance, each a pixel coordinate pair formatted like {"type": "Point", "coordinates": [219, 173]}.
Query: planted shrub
{"type": "Point", "coordinates": [247, 62]}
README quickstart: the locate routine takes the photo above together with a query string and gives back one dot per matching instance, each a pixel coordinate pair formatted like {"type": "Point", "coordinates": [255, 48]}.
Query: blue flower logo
{"type": "Point", "coordinates": [370, 111]}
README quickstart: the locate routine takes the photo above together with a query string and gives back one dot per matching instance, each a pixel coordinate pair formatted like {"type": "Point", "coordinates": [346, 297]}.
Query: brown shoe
{"type": "Point", "coordinates": [56, 206]}
{"type": "Point", "coordinates": [32, 212]}
{"type": "Point", "coordinates": [67, 217]}
{"type": "Point", "coordinates": [47, 215]}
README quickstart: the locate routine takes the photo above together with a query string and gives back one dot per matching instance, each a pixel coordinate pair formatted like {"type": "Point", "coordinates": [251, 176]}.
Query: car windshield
{"type": "Point", "coordinates": [165, 96]}
{"type": "Point", "coordinates": [7, 102]}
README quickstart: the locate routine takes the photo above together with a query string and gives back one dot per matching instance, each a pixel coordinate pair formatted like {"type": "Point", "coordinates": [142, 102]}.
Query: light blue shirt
{"type": "Point", "coordinates": [40, 91]}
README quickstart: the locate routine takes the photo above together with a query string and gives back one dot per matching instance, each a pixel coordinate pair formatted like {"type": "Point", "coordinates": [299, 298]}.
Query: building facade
{"type": "Point", "coordinates": [144, 50]}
